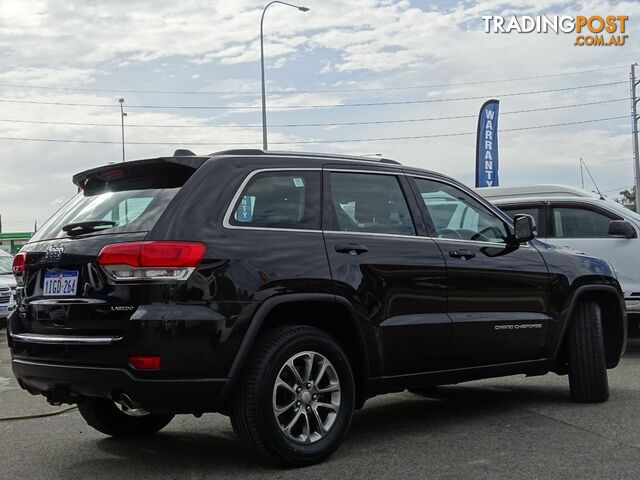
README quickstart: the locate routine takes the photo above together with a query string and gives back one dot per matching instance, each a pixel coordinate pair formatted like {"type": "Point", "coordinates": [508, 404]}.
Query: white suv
{"type": "Point", "coordinates": [581, 220]}
{"type": "Point", "coordinates": [7, 285]}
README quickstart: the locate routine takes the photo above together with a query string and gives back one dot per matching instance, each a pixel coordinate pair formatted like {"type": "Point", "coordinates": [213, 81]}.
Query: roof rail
{"type": "Point", "coordinates": [257, 151]}
{"type": "Point", "coordinates": [239, 151]}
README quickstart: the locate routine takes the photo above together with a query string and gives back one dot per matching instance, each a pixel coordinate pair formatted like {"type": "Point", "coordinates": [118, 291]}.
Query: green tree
{"type": "Point", "coordinates": [628, 198]}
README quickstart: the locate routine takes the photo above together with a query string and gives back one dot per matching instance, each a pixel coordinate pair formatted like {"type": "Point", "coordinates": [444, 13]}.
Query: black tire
{"type": "Point", "coordinates": [587, 362]}
{"type": "Point", "coordinates": [106, 417]}
{"type": "Point", "coordinates": [252, 415]}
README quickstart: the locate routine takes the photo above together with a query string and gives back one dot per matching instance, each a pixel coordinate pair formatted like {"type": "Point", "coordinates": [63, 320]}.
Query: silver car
{"type": "Point", "coordinates": [583, 221]}
{"type": "Point", "coordinates": [7, 285]}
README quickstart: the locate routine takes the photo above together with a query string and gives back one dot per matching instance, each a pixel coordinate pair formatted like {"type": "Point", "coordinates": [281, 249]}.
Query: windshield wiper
{"type": "Point", "coordinates": [88, 226]}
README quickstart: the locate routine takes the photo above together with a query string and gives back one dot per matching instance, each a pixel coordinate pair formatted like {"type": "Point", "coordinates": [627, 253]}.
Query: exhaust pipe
{"type": "Point", "coordinates": [129, 407]}
{"type": "Point", "coordinates": [126, 401]}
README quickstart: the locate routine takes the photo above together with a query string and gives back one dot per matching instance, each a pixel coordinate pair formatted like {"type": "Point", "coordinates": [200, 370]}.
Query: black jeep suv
{"type": "Point", "coordinates": [284, 289]}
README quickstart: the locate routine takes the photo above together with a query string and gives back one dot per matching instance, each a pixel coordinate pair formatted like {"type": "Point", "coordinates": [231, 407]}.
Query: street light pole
{"type": "Point", "coordinates": [122, 115]}
{"type": "Point", "coordinates": [264, 95]}
{"type": "Point", "coordinates": [634, 130]}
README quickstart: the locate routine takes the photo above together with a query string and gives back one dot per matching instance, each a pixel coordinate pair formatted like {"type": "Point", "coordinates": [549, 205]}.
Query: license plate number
{"type": "Point", "coordinates": [60, 283]}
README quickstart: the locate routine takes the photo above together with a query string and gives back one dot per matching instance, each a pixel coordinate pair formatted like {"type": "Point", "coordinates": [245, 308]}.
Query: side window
{"type": "Point", "coordinates": [515, 210]}
{"type": "Point", "coordinates": [286, 199]}
{"type": "Point", "coordinates": [369, 203]}
{"type": "Point", "coordinates": [579, 223]}
{"type": "Point", "coordinates": [457, 215]}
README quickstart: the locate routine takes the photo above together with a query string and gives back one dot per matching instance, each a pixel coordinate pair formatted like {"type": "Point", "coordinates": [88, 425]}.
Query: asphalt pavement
{"type": "Point", "coordinates": [511, 428]}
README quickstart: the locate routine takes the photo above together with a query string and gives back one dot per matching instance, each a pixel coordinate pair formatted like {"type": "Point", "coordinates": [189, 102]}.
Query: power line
{"type": "Point", "coordinates": [619, 189]}
{"type": "Point", "coordinates": [289, 125]}
{"type": "Point", "coordinates": [302, 142]}
{"type": "Point", "coordinates": [307, 107]}
{"type": "Point", "coordinates": [293, 92]}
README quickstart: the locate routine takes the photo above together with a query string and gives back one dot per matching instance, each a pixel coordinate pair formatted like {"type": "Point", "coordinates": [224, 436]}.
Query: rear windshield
{"type": "Point", "coordinates": [117, 211]}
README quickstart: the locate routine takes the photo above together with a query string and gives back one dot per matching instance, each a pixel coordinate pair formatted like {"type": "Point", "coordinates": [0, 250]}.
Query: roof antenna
{"type": "Point", "coordinates": [583, 164]}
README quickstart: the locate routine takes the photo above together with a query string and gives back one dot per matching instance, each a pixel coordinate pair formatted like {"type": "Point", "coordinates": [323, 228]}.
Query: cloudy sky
{"type": "Point", "coordinates": [163, 55]}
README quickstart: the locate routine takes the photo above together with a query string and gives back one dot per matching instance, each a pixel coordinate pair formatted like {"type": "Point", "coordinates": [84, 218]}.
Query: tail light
{"type": "Point", "coordinates": [145, 362]}
{"type": "Point", "coordinates": [18, 263]}
{"type": "Point", "coordinates": [151, 260]}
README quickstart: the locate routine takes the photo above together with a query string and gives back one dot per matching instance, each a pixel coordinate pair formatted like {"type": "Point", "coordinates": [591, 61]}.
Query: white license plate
{"type": "Point", "coordinates": [60, 283]}
{"type": "Point", "coordinates": [3, 309]}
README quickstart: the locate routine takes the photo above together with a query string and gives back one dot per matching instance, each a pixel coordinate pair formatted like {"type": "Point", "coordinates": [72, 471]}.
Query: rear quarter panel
{"type": "Point", "coordinates": [242, 267]}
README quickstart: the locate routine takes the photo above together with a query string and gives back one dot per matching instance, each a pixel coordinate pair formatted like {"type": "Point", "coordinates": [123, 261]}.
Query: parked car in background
{"type": "Point", "coordinates": [284, 289]}
{"type": "Point", "coordinates": [574, 218]}
{"type": "Point", "coordinates": [7, 286]}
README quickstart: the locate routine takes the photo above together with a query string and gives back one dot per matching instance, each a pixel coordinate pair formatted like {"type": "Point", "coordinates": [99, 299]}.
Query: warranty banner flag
{"type": "Point", "coordinates": [487, 145]}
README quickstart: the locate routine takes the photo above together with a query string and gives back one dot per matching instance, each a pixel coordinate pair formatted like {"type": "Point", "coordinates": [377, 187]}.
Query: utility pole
{"type": "Point", "coordinates": [634, 129]}
{"type": "Point", "coordinates": [122, 115]}
{"type": "Point", "coordinates": [581, 173]}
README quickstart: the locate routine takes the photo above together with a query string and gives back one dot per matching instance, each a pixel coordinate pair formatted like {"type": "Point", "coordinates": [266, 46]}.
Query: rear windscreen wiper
{"type": "Point", "coordinates": [72, 228]}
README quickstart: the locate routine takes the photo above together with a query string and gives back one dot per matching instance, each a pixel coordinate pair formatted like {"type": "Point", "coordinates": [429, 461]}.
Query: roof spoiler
{"type": "Point", "coordinates": [106, 173]}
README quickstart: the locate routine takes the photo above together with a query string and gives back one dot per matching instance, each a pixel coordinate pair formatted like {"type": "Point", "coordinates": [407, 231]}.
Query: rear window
{"type": "Point", "coordinates": [129, 210]}
{"type": "Point", "coordinates": [119, 199]}
{"type": "Point", "coordinates": [280, 199]}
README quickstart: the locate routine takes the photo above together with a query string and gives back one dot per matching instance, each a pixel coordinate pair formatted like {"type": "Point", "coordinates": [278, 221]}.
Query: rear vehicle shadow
{"type": "Point", "coordinates": [177, 452]}
{"type": "Point", "coordinates": [404, 415]}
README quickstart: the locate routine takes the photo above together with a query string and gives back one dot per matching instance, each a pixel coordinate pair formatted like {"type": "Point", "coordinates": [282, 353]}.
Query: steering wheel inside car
{"type": "Point", "coordinates": [480, 235]}
{"type": "Point", "coordinates": [448, 233]}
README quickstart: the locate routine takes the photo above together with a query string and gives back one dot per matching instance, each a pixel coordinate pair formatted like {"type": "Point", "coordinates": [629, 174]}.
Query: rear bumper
{"type": "Point", "coordinates": [64, 383]}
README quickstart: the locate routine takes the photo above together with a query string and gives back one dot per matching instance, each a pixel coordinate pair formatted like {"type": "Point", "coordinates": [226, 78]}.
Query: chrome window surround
{"type": "Point", "coordinates": [226, 223]}
{"type": "Point", "coordinates": [236, 197]}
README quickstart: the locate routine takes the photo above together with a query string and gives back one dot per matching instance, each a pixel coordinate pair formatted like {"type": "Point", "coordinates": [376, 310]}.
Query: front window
{"type": "Point", "coordinates": [457, 215]}
{"type": "Point", "coordinates": [579, 223]}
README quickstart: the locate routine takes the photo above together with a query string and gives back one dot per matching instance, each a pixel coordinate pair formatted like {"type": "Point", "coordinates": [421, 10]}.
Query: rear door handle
{"type": "Point", "coordinates": [351, 248]}
{"type": "Point", "coordinates": [466, 254]}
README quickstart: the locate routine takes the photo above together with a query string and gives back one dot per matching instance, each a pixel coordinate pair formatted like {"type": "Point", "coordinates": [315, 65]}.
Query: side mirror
{"type": "Point", "coordinates": [524, 227]}
{"type": "Point", "coordinates": [622, 229]}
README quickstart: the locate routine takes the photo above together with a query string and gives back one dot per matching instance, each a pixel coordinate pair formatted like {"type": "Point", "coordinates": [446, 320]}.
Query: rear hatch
{"type": "Point", "coordinates": [63, 291]}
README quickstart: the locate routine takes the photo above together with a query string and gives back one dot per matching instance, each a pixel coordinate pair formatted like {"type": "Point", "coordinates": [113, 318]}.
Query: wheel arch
{"type": "Point", "coordinates": [284, 309]}
{"type": "Point", "coordinates": [614, 320]}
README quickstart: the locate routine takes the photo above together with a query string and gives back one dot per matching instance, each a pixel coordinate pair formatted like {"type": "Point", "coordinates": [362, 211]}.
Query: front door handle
{"type": "Point", "coordinates": [352, 248]}
{"type": "Point", "coordinates": [466, 254]}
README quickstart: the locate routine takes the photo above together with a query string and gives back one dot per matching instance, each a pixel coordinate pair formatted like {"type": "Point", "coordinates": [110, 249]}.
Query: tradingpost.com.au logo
{"type": "Point", "coordinates": [607, 31]}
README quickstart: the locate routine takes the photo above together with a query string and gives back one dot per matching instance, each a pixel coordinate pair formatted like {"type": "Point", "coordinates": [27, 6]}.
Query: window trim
{"type": "Point", "coordinates": [418, 221]}
{"type": "Point", "coordinates": [552, 205]}
{"type": "Point", "coordinates": [227, 216]}
{"type": "Point", "coordinates": [405, 190]}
